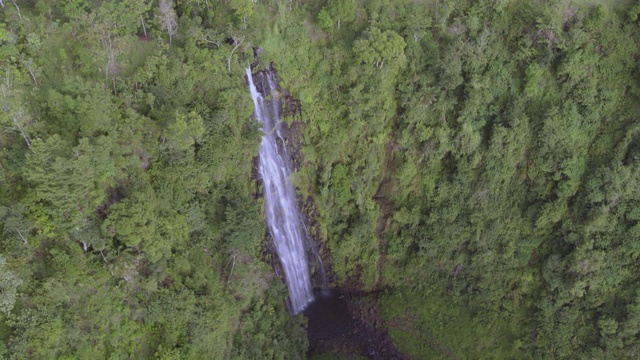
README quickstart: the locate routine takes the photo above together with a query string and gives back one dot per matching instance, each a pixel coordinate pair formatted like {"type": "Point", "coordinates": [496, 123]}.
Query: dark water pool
{"type": "Point", "coordinates": [340, 326]}
{"type": "Point", "coordinates": [328, 317]}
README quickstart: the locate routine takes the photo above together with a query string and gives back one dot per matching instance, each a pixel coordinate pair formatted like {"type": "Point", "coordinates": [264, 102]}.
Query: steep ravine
{"type": "Point", "coordinates": [343, 320]}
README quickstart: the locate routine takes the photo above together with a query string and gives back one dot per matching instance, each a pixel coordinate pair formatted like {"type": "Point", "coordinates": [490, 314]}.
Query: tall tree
{"type": "Point", "coordinates": [167, 18]}
{"type": "Point", "coordinates": [9, 284]}
{"type": "Point", "coordinates": [14, 114]}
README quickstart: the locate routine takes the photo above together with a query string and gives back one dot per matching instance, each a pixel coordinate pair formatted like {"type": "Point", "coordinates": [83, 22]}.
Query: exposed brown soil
{"type": "Point", "coordinates": [384, 199]}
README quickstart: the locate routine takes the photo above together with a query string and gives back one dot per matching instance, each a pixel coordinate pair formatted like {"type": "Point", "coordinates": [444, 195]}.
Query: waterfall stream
{"type": "Point", "coordinates": [283, 220]}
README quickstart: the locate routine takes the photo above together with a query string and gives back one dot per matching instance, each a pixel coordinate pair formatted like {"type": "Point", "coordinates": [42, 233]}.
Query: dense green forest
{"type": "Point", "coordinates": [477, 163]}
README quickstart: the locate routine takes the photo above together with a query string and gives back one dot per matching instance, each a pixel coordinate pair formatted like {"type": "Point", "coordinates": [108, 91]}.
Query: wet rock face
{"type": "Point", "coordinates": [281, 213]}
{"type": "Point", "coordinates": [262, 85]}
{"type": "Point", "coordinates": [291, 137]}
{"type": "Point", "coordinates": [256, 56]}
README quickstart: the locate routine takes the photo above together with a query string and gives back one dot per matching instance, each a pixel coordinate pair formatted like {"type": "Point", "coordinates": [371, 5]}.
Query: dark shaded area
{"type": "Point", "coordinates": [347, 324]}
{"type": "Point", "coordinates": [328, 317]}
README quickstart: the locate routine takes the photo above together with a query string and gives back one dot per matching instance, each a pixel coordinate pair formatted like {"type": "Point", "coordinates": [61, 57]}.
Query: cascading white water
{"type": "Point", "coordinates": [283, 219]}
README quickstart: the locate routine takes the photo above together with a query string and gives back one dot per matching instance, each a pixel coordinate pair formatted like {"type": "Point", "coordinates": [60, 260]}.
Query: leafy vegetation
{"type": "Point", "coordinates": [128, 226]}
{"type": "Point", "coordinates": [477, 160]}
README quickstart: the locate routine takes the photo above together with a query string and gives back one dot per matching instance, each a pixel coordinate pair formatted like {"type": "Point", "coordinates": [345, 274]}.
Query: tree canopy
{"type": "Point", "coordinates": [472, 162]}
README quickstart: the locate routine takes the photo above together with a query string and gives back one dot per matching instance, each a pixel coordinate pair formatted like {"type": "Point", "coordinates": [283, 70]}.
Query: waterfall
{"type": "Point", "coordinates": [283, 220]}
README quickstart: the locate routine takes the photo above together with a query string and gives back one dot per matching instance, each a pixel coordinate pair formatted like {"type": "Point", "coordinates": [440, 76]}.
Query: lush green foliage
{"type": "Point", "coordinates": [507, 131]}
{"type": "Point", "coordinates": [486, 150]}
{"type": "Point", "coordinates": [128, 224]}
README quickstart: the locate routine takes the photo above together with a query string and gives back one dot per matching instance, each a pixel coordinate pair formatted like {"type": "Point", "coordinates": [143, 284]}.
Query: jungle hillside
{"type": "Point", "coordinates": [470, 167]}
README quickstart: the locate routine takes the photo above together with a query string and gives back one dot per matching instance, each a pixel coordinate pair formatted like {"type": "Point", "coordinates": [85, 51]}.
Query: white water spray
{"type": "Point", "coordinates": [283, 219]}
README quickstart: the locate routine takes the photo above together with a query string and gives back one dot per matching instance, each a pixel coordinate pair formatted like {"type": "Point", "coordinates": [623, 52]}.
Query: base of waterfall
{"type": "Point", "coordinates": [345, 324]}
{"type": "Point", "coordinates": [328, 317]}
